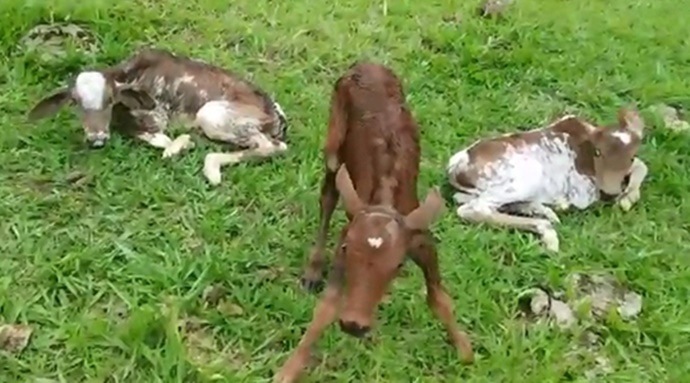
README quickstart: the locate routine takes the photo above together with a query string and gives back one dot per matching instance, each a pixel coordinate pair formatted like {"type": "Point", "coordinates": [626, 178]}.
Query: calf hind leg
{"type": "Point", "coordinates": [237, 124]}
{"type": "Point", "coordinates": [478, 212]}
{"type": "Point", "coordinates": [264, 147]}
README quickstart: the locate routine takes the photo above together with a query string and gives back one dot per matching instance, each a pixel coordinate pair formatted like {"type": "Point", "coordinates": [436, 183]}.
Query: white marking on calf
{"type": "Point", "coordinates": [279, 109]}
{"type": "Point", "coordinates": [90, 89]}
{"type": "Point", "coordinates": [375, 242]}
{"type": "Point", "coordinates": [624, 137]}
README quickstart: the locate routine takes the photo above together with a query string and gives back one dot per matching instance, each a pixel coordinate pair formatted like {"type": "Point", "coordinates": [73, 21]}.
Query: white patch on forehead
{"type": "Point", "coordinates": [90, 89]}
{"type": "Point", "coordinates": [624, 137]}
{"type": "Point", "coordinates": [375, 242]}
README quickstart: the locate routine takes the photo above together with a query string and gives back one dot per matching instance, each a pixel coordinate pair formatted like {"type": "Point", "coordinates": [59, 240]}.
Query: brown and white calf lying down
{"type": "Point", "coordinates": [372, 161]}
{"type": "Point", "coordinates": [145, 92]}
{"type": "Point", "coordinates": [570, 162]}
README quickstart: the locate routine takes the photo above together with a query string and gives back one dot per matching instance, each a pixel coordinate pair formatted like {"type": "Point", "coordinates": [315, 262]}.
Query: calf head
{"type": "Point", "coordinates": [614, 150]}
{"type": "Point", "coordinates": [94, 93]}
{"type": "Point", "coordinates": [374, 248]}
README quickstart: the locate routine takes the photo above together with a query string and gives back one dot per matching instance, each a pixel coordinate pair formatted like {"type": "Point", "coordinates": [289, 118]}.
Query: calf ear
{"type": "Point", "coordinates": [429, 211]}
{"type": "Point", "coordinates": [50, 105]}
{"type": "Point", "coordinates": [347, 191]}
{"type": "Point", "coordinates": [631, 120]}
{"type": "Point", "coordinates": [134, 98]}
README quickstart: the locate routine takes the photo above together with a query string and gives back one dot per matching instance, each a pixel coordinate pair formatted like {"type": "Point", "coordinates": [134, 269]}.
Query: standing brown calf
{"type": "Point", "coordinates": [373, 135]}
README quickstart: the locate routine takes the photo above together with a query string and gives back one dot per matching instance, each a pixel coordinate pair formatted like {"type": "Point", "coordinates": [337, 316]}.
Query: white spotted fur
{"type": "Point", "coordinates": [528, 178]}
{"type": "Point", "coordinates": [544, 173]}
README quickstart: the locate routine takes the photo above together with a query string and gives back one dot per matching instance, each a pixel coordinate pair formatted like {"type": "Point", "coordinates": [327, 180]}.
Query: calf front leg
{"type": "Point", "coordinates": [324, 315]}
{"type": "Point", "coordinates": [631, 195]}
{"type": "Point", "coordinates": [478, 212]}
{"type": "Point", "coordinates": [155, 123]}
{"type": "Point", "coordinates": [424, 255]}
{"type": "Point", "coordinates": [312, 278]}
{"type": "Point", "coordinates": [533, 209]}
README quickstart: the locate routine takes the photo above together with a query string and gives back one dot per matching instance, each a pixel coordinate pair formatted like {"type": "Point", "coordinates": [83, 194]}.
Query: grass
{"type": "Point", "coordinates": [105, 270]}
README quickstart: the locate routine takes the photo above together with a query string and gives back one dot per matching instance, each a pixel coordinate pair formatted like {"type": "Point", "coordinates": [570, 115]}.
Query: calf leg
{"type": "Point", "coordinates": [324, 315]}
{"type": "Point", "coordinates": [478, 212]}
{"type": "Point", "coordinates": [240, 125]}
{"type": "Point", "coordinates": [424, 255]}
{"type": "Point", "coordinates": [154, 123]}
{"type": "Point", "coordinates": [533, 209]}
{"type": "Point", "coordinates": [313, 272]}
{"type": "Point", "coordinates": [264, 147]}
{"type": "Point", "coordinates": [632, 191]}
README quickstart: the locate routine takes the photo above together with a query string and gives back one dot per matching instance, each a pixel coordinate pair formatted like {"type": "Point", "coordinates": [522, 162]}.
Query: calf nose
{"type": "Point", "coordinates": [354, 328]}
{"type": "Point", "coordinates": [97, 140]}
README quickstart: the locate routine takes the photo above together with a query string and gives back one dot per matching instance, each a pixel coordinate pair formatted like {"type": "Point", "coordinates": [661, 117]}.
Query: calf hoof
{"type": "Point", "coordinates": [311, 284]}
{"type": "Point", "coordinates": [549, 237]}
{"type": "Point", "coordinates": [627, 201]}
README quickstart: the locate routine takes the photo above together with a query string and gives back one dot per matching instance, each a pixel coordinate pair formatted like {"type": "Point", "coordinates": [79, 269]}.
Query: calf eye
{"type": "Point", "coordinates": [597, 153]}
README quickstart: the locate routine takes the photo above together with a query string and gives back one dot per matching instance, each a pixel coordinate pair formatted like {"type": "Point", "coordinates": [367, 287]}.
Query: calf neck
{"type": "Point", "coordinates": [510, 179]}
{"type": "Point", "coordinates": [372, 162]}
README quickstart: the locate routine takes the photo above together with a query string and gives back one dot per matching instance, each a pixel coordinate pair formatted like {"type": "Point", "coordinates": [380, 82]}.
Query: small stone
{"type": "Point", "coordinates": [562, 313]}
{"type": "Point", "coordinates": [494, 7]}
{"type": "Point", "coordinates": [14, 337]}
{"type": "Point", "coordinates": [630, 306]}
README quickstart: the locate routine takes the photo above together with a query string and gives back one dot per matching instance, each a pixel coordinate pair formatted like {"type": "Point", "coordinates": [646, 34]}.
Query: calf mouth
{"type": "Point", "coordinates": [607, 197]}
{"type": "Point", "coordinates": [612, 197]}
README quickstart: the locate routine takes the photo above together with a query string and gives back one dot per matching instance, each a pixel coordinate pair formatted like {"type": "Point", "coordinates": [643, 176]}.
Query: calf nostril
{"type": "Point", "coordinates": [353, 328]}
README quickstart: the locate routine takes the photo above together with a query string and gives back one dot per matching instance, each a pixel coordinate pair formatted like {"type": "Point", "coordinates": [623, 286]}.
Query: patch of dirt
{"type": "Point", "coordinates": [52, 41]}
{"type": "Point", "coordinates": [204, 350]}
{"type": "Point", "coordinates": [493, 8]}
{"type": "Point", "coordinates": [671, 117]}
{"type": "Point", "coordinates": [587, 298]}
{"type": "Point", "coordinates": [14, 337]}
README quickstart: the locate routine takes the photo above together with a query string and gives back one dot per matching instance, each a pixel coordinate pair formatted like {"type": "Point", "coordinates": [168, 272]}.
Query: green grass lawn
{"type": "Point", "coordinates": [111, 272]}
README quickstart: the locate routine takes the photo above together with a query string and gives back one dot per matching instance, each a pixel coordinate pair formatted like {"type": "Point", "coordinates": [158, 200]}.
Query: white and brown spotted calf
{"type": "Point", "coordinates": [511, 180]}
{"type": "Point", "coordinates": [152, 87]}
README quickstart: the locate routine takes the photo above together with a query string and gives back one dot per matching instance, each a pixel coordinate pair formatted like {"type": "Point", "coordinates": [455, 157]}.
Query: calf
{"type": "Point", "coordinates": [153, 87]}
{"type": "Point", "coordinates": [510, 179]}
{"type": "Point", "coordinates": [372, 162]}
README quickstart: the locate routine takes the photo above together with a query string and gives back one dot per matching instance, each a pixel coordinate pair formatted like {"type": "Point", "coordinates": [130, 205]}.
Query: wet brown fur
{"type": "Point", "coordinates": [372, 157]}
